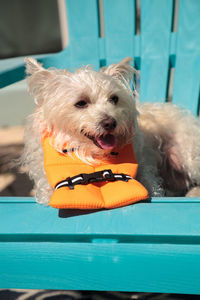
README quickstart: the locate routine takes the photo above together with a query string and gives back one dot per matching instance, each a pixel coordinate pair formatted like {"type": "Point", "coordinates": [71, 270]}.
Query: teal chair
{"type": "Point", "coordinates": [146, 247]}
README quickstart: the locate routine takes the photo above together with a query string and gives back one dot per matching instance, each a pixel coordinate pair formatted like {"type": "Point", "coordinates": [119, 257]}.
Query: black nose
{"type": "Point", "coordinates": [108, 123]}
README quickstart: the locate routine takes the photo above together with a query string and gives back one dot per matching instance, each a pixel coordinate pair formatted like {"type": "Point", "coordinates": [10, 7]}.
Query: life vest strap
{"type": "Point", "coordinates": [86, 178]}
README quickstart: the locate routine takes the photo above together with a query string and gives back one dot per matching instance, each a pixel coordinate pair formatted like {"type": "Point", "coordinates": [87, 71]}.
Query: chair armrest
{"type": "Point", "coordinates": [13, 69]}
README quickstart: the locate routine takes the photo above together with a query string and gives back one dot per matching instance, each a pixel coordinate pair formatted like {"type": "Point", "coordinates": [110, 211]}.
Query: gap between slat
{"type": "Point", "coordinates": [175, 16]}
{"type": "Point", "coordinates": [105, 239]}
{"type": "Point", "coordinates": [170, 83]}
{"type": "Point", "coordinates": [138, 16]}
{"type": "Point", "coordinates": [171, 70]}
{"type": "Point", "coordinates": [63, 22]}
{"type": "Point", "coordinates": [198, 113]}
{"type": "Point", "coordinates": [101, 19]}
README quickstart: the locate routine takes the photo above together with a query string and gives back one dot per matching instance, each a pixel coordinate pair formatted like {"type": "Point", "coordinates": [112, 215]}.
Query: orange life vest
{"type": "Point", "coordinates": [61, 168]}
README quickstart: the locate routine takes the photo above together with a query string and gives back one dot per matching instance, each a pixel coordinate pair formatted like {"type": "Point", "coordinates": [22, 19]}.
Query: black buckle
{"type": "Point", "coordinates": [97, 176]}
{"type": "Point", "coordinates": [109, 176]}
{"type": "Point", "coordinates": [92, 177]}
{"type": "Point", "coordinates": [124, 178]}
{"type": "Point", "coordinates": [70, 184]}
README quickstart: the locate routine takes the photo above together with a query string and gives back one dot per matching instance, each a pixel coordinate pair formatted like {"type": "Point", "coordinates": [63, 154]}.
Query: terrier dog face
{"type": "Point", "coordinates": [93, 112]}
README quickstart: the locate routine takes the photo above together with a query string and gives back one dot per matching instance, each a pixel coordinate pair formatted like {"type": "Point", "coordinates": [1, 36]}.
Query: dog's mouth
{"type": "Point", "coordinates": [104, 141]}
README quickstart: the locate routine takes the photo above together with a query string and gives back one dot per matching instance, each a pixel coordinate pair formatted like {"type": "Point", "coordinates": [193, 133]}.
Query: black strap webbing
{"type": "Point", "coordinates": [84, 178]}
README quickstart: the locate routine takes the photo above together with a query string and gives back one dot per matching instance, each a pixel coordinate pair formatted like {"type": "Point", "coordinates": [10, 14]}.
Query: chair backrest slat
{"type": "Point", "coordinates": [83, 21]}
{"type": "Point", "coordinates": [156, 22]}
{"type": "Point", "coordinates": [119, 24]}
{"type": "Point", "coordinates": [187, 67]}
{"type": "Point", "coordinates": [154, 48]}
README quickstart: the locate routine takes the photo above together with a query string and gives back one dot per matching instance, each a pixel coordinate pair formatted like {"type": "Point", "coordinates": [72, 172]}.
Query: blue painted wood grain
{"type": "Point", "coordinates": [104, 250]}
{"type": "Point", "coordinates": [119, 19]}
{"type": "Point", "coordinates": [83, 22]}
{"type": "Point", "coordinates": [12, 76]}
{"type": "Point", "coordinates": [23, 217]}
{"type": "Point", "coordinates": [156, 19]}
{"type": "Point", "coordinates": [89, 266]}
{"type": "Point", "coordinates": [187, 70]}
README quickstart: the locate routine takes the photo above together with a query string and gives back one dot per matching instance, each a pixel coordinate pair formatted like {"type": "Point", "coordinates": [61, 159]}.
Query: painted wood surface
{"type": "Point", "coordinates": [102, 250]}
{"type": "Point", "coordinates": [119, 23]}
{"type": "Point", "coordinates": [187, 69]}
{"type": "Point", "coordinates": [83, 32]}
{"type": "Point", "coordinates": [23, 216]}
{"type": "Point", "coordinates": [156, 20]}
{"type": "Point", "coordinates": [138, 267]}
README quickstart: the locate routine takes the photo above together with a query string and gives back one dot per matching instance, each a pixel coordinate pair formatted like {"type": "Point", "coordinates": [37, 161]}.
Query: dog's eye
{"type": "Point", "coordinates": [114, 99]}
{"type": "Point", "coordinates": [81, 104]}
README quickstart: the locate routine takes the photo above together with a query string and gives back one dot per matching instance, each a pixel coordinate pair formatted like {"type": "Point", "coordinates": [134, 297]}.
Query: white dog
{"type": "Point", "coordinates": [95, 113]}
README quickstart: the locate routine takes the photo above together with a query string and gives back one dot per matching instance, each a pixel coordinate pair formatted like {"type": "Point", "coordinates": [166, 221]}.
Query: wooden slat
{"type": "Point", "coordinates": [119, 17]}
{"type": "Point", "coordinates": [13, 69]}
{"type": "Point", "coordinates": [187, 70]}
{"type": "Point", "coordinates": [104, 250]}
{"type": "Point", "coordinates": [156, 19]}
{"type": "Point", "coordinates": [161, 219]}
{"type": "Point", "coordinates": [83, 25]}
{"type": "Point", "coordinates": [11, 76]}
{"type": "Point", "coordinates": [101, 266]}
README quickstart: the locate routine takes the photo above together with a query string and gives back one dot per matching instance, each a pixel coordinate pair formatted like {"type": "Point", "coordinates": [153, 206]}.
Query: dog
{"type": "Point", "coordinates": [98, 112]}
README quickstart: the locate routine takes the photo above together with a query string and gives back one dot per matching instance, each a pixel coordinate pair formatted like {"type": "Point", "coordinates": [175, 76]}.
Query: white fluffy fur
{"type": "Point", "coordinates": [166, 139]}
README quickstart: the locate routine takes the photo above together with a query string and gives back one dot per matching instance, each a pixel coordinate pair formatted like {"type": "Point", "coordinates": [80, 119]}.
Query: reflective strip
{"type": "Point", "coordinates": [61, 184]}
{"type": "Point", "coordinates": [120, 176]}
{"type": "Point", "coordinates": [79, 178]}
{"type": "Point", "coordinates": [105, 173]}
{"type": "Point", "coordinates": [76, 179]}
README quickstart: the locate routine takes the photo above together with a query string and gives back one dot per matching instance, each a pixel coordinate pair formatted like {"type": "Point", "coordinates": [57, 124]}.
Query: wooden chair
{"type": "Point", "coordinates": [147, 247]}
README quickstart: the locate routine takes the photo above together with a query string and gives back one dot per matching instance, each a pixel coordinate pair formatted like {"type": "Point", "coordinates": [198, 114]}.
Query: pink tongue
{"type": "Point", "coordinates": [107, 141]}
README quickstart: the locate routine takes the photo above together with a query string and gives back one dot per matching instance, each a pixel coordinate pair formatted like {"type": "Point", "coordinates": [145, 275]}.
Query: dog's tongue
{"type": "Point", "coordinates": [107, 141]}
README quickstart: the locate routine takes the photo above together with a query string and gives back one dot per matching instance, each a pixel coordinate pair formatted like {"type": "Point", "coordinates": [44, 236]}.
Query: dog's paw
{"type": "Point", "coordinates": [194, 192]}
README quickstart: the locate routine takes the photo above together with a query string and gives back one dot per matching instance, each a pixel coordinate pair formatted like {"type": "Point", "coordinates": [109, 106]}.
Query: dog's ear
{"type": "Point", "coordinates": [36, 70]}
{"type": "Point", "coordinates": [37, 78]}
{"type": "Point", "coordinates": [122, 71]}
{"type": "Point", "coordinates": [32, 66]}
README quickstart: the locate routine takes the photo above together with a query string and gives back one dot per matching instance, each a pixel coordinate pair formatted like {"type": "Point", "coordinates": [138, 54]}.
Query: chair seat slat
{"type": "Point", "coordinates": [161, 220]}
{"type": "Point", "coordinates": [138, 267]}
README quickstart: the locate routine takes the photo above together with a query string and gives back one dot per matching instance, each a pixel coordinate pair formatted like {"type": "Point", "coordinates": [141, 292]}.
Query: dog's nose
{"type": "Point", "coordinates": [108, 123]}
